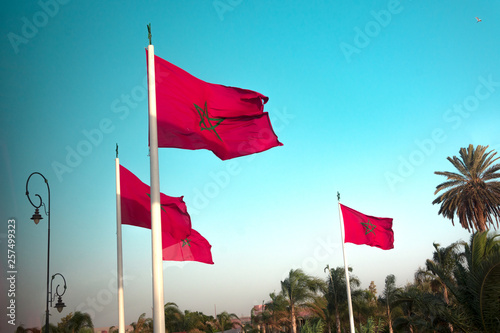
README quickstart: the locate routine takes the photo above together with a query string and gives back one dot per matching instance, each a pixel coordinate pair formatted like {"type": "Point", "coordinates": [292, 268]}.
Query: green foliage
{"type": "Point", "coordinates": [336, 293]}
{"type": "Point", "coordinates": [371, 326]}
{"type": "Point", "coordinates": [473, 194]}
{"type": "Point", "coordinates": [297, 289]}
{"type": "Point", "coordinates": [78, 323]}
{"type": "Point", "coordinates": [469, 271]}
{"type": "Point", "coordinates": [315, 325]}
{"type": "Point", "coordinates": [276, 312]}
{"type": "Point", "coordinates": [477, 287]}
{"type": "Point", "coordinates": [142, 325]}
{"type": "Point", "coordinates": [224, 320]}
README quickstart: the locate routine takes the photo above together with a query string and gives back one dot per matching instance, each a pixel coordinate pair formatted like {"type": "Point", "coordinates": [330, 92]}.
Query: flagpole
{"type": "Point", "coordinates": [346, 268]}
{"type": "Point", "coordinates": [157, 262]}
{"type": "Point", "coordinates": [121, 311]}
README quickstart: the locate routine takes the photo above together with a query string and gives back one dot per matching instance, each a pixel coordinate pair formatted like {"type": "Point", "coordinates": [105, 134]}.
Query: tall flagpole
{"type": "Point", "coordinates": [346, 267]}
{"type": "Point", "coordinates": [158, 307]}
{"type": "Point", "coordinates": [121, 311]}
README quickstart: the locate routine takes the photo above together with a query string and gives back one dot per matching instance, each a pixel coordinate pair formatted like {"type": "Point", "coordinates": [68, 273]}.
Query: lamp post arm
{"type": "Point", "coordinates": [53, 296]}
{"type": "Point", "coordinates": [39, 197]}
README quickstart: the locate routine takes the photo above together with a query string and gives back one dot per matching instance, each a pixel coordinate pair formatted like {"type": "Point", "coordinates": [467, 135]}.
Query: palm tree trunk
{"type": "Point", "coordinates": [481, 221]}
{"type": "Point", "coordinates": [294, 324]}
{"type": "Point", "coordinates": [389, 321]}
{"type": "Point", "coordinates": [337, 319]}
{"type": "Point", "coordinates": [447, 301]}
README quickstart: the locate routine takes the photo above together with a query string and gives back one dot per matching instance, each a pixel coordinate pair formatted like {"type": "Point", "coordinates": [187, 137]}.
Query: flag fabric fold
{"type": "Point", "coordinates": [192, 248]}
{"type": "Point", "coordinates": [194, 114]}
{"type": "Point", "coordinates": [179, 241]}
{"type": "Point", "coordinates": [136, 207]}
{"type": "Point", "coordinates": [369, 230]}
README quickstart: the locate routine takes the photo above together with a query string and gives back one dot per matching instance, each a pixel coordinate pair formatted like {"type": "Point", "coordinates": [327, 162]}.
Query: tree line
{"type": "Point", "coordinates": [457, 290]}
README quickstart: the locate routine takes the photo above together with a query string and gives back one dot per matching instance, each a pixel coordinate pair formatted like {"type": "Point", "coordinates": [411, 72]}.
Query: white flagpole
{"type": "Point", "coordinates": [346, 268]}
{"type": "Point", "coordinates": [158, 305]}
{"type": "Point", "coordinates": [121, 311]}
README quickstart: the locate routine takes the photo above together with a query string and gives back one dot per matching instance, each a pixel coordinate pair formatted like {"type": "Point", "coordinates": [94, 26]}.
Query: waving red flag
{"type": "Point", "coordinates": [365, 229]}
{"type": "Point", "coordinates": [194, 114]}
{"type": "Point", "coordinates": [192, 248]}
{"type": "Point", "coordinates": [136, 207]}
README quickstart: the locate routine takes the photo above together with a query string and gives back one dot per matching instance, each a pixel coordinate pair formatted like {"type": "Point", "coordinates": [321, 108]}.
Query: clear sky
{"type": "Point", "coordinates": [368, 98]}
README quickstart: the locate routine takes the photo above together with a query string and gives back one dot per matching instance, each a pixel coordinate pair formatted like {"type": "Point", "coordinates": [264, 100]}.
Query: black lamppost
{"type": "Point", "coordinates": [36, 218]}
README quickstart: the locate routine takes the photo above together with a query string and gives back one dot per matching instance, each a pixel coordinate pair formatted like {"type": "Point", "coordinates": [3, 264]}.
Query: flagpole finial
{"type": "Point", "coordinates": [338, 196]}
{"type": "Point", "coordinates": [149, 33]}
{"type": "Point", "coordinates": [116, 150]}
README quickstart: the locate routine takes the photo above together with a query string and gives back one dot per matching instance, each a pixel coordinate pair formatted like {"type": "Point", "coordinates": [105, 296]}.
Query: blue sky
{"type": "Point", "coordinates": [368, 98]}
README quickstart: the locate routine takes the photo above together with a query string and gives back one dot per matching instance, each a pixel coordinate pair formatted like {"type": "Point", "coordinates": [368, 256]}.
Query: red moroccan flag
{"type": "Point", "coordinates": [136, 207]}
{"type": "Point", "coordinates": [192, 248]}
{"type": "Point", "coordinates": [365, 229]}
{"type": "Point", "coordinates": [194, 114]}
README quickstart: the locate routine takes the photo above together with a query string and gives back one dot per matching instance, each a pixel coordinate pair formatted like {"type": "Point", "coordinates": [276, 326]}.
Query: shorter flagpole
{"type": "Point", "coordinates": [346, 268]}
{"type": "Point", "coordinates": [121, 311]}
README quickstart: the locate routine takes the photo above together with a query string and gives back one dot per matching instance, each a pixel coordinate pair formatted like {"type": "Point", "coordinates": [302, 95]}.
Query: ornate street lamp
{"type": "Point", "coordinates": [36, 218]}
{"type": "Point", "coordinates": [60, 304]}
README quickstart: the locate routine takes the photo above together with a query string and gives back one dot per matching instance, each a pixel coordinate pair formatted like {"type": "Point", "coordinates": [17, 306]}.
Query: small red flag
{"type": "Point", "coordinates": [136, 207]}
{"type": "Point", "coordinates": [365, 229]}
{"type": "Point", "coordinates": [192, 248]}
{"type": "Point", "coordinates": [194, 114]}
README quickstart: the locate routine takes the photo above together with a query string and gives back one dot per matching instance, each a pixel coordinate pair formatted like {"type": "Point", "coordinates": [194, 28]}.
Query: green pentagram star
{"type": "Point", "coordinates": [187, 242]}
{"type": "Point", "coordinates": [161, 205]}
{"type": "Point", "coordinates": [369, 227]}
{"type": "Point", "coordinates": [206, 121]}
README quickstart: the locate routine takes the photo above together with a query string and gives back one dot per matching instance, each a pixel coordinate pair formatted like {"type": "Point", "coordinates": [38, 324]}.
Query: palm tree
{"type": "Point", "coordinates": [476, 286]}
{"type": "Point", "coordinates": [195, 322]}
{"type": "Point", "coordinates": [278, 316]}
{"type": "Point", "coordinates": [298, 288]}
{"type": "Point", "coordinates": [313, 325]}
{"type": "Point", "coordinates": [319, 308]}
{"type": "Point", "coordinates": [362, 306]}
{"type": "Point", "coordinates": [473, 194]}
{"type": "Point", "coordinates": [79, 321]}
{"type": "Point", "coordinates": [142, 325]}
{"type": "Point", "coordinates": [336, 293]}
{"type": "Point", "coordinates": [113, 329]}
{"type": "Point", "coordinates": [441, 267]}
{"type": "Point", "coordinates": [388, 297]}
{"type": "Point", "coordinates": [224, 320]}
{"type": "Point", "coordinates": [421, 309]}
{"type": "Point", "coordinates": [371, 326]}
{"type": "Point", "coordinates": [173, 318]}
